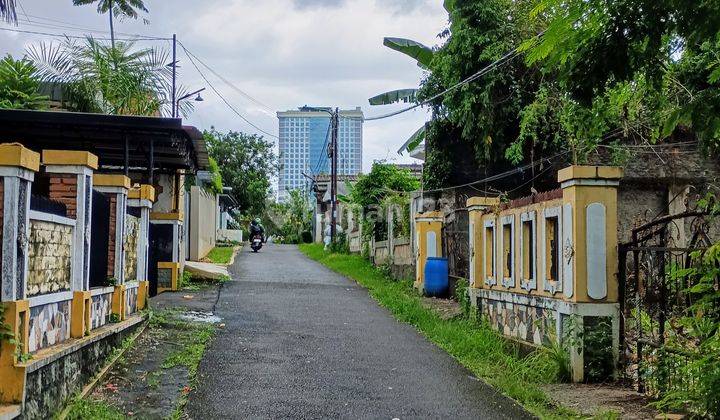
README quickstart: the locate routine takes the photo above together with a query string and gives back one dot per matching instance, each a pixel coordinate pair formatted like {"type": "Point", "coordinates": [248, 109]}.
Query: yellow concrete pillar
{"type": "Point", "coordinates": [589, 244]}
{"type": "Point", "coordinates": [118, 302]}
{"type": "Point", "coordinates": [17, 319]}
{"type": "Point", "coordinates": [428, 242]}
{"type": "Point", "coordinates": [80, 314]}
{"type": "Point", "coordinates": [171, 269]}
{"type": "Point", "coordinates": [477, 206]}
{"type": "Point", "coordinates": [143, 294]}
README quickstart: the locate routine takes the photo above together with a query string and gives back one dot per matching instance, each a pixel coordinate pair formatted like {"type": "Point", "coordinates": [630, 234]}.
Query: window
{"type": "Point", "coordinates": [553, 250]}
{"type": "Point", "coordinates": [489, 252]}
{"type": "Point", "coordinates": [508, 251]}
{"type": "Point", "coordinates": [527, 251]}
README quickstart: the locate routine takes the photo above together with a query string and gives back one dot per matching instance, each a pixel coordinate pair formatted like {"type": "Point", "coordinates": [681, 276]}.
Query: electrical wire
{"type": "Point", "coordinates": [230, 84]}
{"type": "Point", "coordinates": [82, 37]}
{"type": "Point", "coordinates": [217, 92]}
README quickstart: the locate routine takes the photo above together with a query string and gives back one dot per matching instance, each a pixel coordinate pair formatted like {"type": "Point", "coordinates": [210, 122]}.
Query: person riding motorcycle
{"type": "Point", "coordinates": [256, 228]}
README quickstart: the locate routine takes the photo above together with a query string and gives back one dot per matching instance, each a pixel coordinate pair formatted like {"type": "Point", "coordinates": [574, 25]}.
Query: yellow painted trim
{"type": "Point", "coordinates": [111, 180]}
{"type": "Point", "coordinates": [422, 227]}
{"type": "Point", "coordinates": [142, 192]}
{"type": "Point", "coordinates": [142, 296]}
{"type": "Point", "coordinates": [589, 172]}
{"type": "Point", "coordinates": [483, 201]}
{"type": "Point", "coordinates": [166, 216]}
{"type": "Point", "coordinates": [12, 385]}
{"type": "Point", "coordinates": [80, 314]}
{"type": "Point", "coordinates": [118, 301]}
{"type": "Point", "coordinates": [174, 276]}
{"type": "Point", "coordinates": [435, 215]}
{"type": "Point", "coordinates": [69, 157]}
{"type": "Point", "coordinates": [15, 154]}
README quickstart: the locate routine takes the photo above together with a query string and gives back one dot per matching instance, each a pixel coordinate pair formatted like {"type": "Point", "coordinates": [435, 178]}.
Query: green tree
{"type": "Point", "coordinates": [247, 162]}
{"type": "Point", "coordinates": [19, 85]}
{"type": "Point", "coordinates": [384, 180]}
{"type": "Point", "coordinates": [119, 8]}
{"type": "Point", "coordinates": [101, 79]}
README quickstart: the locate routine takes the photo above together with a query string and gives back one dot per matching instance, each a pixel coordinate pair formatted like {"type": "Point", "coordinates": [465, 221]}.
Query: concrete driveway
{"type": "Point", "coordinates": [301, 341]}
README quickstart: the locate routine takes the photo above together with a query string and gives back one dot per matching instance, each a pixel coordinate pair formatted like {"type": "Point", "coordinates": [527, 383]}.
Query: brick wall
{"type": "Point", "coordinates": [111, 240]}
{"type": "Point", "coordinates": [63, 188]}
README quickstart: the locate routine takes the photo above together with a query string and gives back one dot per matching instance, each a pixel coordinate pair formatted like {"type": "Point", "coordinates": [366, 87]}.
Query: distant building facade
{"type": "Point", "coordinates": [304, 136]}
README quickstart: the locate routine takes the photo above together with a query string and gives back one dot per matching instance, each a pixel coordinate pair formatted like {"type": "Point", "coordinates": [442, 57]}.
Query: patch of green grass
{"type": "Point", "coordinates": [220, 254]}
{"type": "Point", "coordinates": [473, 343]}
{"type": "Point", "coordinates": [82, 409]}
{"type": "Point", "coordinates": [191, 351]}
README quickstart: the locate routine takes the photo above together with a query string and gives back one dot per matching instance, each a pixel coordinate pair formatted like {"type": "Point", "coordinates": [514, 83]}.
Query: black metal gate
{"type": "Point", "coordinates": [161, 250]}
{"type": "Point", "coordinates": [456, 245]}
{"type": "Point", "coordinates": [100, 228]}
{"type": "Point", "coordinates": [654, 296]}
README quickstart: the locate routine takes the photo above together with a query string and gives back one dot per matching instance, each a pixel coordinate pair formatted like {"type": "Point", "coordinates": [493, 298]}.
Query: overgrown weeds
{"type": "Point", "coordinates": [472, 342]}
{"type": "Point", "coordinates": [220, 255]}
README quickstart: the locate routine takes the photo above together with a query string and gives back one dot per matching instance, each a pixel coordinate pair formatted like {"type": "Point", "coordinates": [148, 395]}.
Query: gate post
{"type": "Point", "coordinates": [589, 251]}
{"type": "Point", "coordinates": [429, 242]}
{"type": "Point", "coordinates": [477, 206]}
{"type": "Point", "coordinates": [71, 184]}
{"type": "Point", "coordinates": [17, 172]}
{"type": "Point", "coordinates": [143, 196]}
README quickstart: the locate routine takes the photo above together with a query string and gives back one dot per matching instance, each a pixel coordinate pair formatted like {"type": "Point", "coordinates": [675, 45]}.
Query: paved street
{"type": "Point", "coordinates": [303, 342]}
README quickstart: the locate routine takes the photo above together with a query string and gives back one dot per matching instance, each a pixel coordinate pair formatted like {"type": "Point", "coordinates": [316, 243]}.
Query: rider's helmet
{"type": "Point", "coordinates": [257, 221]}
{"type": "Point", "coordinates": [254, 222]}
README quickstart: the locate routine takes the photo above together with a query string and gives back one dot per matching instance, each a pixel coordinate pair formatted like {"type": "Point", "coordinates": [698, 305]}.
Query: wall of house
{"type": "Point", "coordinates": [100, 308]}
{"type": "Point", "coordinates": [49, 257]}
{"type": "Point", "coordinates": [49, 325]}
{"type": "Point", "coordinates": [132, 230]}
{"type": "Point", "coordinates": [203, 222]}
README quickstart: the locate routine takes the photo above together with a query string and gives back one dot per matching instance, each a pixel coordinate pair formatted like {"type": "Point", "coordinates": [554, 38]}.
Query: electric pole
{"type": "Point", "coordinates": [334, 121]}
{"type": "Point", "coordinates": [174, 71]}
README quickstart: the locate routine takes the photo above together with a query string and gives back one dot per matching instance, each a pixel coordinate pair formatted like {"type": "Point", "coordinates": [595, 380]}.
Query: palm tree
{"type": "Point", "coordinates": [102, 79]}
{"type": "Point", "coordinates": [121, 8]}
{"type": "Point", "coordinates": [7, 11]}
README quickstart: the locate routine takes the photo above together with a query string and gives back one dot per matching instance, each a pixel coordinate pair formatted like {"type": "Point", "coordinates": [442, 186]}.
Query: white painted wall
{"type": "Point", "coordinates": [203, 222]}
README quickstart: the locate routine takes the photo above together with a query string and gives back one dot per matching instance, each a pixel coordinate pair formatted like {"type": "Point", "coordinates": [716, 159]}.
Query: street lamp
{"type": "Point", "coordinates": [198, 98]}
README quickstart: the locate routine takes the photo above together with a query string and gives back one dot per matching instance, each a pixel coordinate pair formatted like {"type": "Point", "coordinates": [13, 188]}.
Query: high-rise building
{"type": "Point", "coordinates": [304, 138]}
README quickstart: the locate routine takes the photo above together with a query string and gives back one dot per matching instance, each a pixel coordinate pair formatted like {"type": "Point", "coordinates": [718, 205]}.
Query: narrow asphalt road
{"type": "Point", "coordinates": [301, 341]}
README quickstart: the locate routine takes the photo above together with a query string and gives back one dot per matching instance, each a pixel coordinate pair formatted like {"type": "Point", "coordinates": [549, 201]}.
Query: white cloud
{"type": "Point", "coordinates": [285, 53]}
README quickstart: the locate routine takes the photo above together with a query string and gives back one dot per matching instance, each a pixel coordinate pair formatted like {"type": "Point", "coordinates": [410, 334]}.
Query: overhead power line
{"type": "Point", "coordinates": [57, 35]}
{"type": "Point", "coordinates": [217, 92]}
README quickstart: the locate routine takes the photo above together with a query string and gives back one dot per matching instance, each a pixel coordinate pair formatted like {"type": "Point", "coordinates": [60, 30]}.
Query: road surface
{"type": "Point", "coordinates": [301, 341]}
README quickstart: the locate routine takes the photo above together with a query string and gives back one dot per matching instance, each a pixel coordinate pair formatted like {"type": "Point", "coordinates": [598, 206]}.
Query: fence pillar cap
{"type": "Point", "coordinates": [481, 202]}
{"type": "Point", "coordinates": [142, 192]}
{"type": "Point", "coordinates": [70, 157]}
{"type": "Point", "coordinates": [435, 215]}
{"type": "Point", "coordinates": [15, 154]}
{"type": "Point", "coordinates": [590, 172]}
{"type": "Point", "coordinates": [111, 180]}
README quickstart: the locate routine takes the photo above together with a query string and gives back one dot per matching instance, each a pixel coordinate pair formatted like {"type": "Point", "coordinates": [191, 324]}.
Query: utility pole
{"type": "Point", "coordinates": [174, 71]}
{"type": "Point", "coordinates": [334, 118]}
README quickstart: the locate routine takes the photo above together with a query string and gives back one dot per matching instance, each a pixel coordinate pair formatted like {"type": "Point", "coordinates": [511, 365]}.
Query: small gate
{"type": "Point", "coordinates": [100, 225]}
{"type": "Point", "coordinates": [456, 245]}
{"type": "Point", "coordinates": [161, 250]}
{"type": "Point", "coordinates": [654, 296]}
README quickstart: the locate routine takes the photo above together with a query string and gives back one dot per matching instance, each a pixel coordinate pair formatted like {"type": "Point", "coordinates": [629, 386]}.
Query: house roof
{"type": "Point", "coordinates": [115, 139]}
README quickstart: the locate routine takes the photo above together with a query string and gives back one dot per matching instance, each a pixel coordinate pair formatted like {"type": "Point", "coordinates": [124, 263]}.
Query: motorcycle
{"type": "Point", "coordinates": [256, 243]}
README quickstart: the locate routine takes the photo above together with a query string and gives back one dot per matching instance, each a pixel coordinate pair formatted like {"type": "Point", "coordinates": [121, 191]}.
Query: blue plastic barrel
{"type": "Point", "coordinates": [436, 276]}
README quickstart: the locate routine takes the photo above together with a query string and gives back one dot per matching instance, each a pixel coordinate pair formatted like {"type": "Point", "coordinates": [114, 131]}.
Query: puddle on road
{"type": "Point", "coordinates": [196, 316]}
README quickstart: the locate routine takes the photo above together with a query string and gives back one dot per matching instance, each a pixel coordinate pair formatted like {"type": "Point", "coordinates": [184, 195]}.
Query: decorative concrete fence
{"type": "Point", "coordinates": [47, 303]}
{"type": "Point", "coordinates": [543, 269]}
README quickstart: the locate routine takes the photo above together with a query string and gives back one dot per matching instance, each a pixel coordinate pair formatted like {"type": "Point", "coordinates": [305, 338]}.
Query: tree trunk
{"type": "Point", "coordinates": [112, 30]}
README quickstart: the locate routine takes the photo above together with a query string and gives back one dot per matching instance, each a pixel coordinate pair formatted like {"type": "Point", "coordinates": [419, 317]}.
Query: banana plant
{"type": "Point", "coordinates": [424, 56]}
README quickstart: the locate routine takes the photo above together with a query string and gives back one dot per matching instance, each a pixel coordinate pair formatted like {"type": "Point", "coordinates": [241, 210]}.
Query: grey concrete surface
{"type": "Point", "coordinates": [303, 342]}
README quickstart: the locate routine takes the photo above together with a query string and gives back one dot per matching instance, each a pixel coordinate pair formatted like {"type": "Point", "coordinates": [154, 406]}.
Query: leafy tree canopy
{"type": "Point", "coordinates": [247, 162]}
{"type": "Point", "coordinates": [19, 85]}
{"type": "Point", "coordinates": [384, 179]}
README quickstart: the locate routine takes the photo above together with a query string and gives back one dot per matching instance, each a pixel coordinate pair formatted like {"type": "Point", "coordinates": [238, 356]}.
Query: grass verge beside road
{"type": "Point", "coordinates": [220, 254]}
{"type": "Point", "coordinates": [474, 344]}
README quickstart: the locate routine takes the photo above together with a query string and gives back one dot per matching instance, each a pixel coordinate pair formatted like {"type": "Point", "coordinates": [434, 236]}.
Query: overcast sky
{"type": "Point", "coordinates": [284, 53]}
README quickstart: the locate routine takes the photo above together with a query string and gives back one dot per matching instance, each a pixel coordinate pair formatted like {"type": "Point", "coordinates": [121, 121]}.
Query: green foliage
{"type": "Point", "coordinates": [246, 163]}
{"type": "Point", "coordinates": [462, 296]}
{"type": "Point", "coordinates": [220, 254]}
{"type": "Point", "coordinates": [216, 185]}
{"type": "Point", "coordinates": [340, 245]}
{"type": "Point", "coordinates": [191, 350]}
{"type": "Point", "coordinates": [291, 221]}
{"type": "Point", "coordinates": [98, 78]}
{"type": "Point", "coordinates": [423, 54]}
{"type": "Point", "coordinates": [82, 409]}
{"type": "Point", "coordinates": [19, 85]}
{"type": "Point", "coordinates": [384, 180]}
{"type": "Point", "coordinates": [474, 344]}
{"type": "Point", "coordinates": [114, 318]}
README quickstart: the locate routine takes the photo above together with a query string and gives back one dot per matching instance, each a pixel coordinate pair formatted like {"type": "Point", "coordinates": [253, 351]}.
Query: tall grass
{"type": "Point", "coordinates": [473, 343]}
